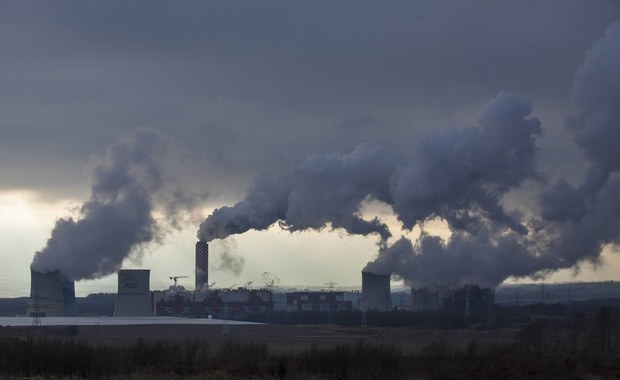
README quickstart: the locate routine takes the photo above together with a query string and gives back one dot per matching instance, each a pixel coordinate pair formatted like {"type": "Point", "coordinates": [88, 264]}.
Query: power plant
{"type": "Point", "coordinates": [51, 295]}
{"type": "Point", "coordinates": [202, 266]}
{"type": "Point", "coordinates": [134, 294]}
{"type": "Point", "coordinates": [376, 292]}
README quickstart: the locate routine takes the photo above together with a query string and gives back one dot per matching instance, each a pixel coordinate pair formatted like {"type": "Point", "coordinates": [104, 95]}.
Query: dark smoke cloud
{"type": "Point", "coordinates": [596, 90]}
{"type": "Point", "coordinates": [459, 175]}
{"type": "Point", "coordinates": [322, 189]}
{"type": "Point", "coordinates": [130, 182]}
{"type": "Point", "coordinates": [229, 260]}
{"type": "Point", "coordinates": [462, 176]}
{"type": "Point", "coordinates": [576, 222]}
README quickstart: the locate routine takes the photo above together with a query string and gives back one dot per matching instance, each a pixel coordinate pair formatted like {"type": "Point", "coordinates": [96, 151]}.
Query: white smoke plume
{"type": "Point", "coordinates": [322, 189]}
{"type": "Point", "coordinates": [459, 175]}
{"type": "Point", "coordinates": [132, 180]}
{"type": "Point", "coordinates": [462, 176]}
{"type": "Point", "coordinates": [229, 259]}
{"type": "Point", "coordinates": [575, 223]}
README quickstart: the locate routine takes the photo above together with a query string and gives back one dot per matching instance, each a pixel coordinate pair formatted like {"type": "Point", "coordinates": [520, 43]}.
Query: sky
{"type": "Point", "coordinates": [169, 111]}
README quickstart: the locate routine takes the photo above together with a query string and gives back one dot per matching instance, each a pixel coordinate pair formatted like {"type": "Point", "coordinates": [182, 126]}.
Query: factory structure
{"type": "Point", "coordinates": [51, 295]}
{"type": "Point", "coordinates": [330, 301]}
{"type": "Point", "coordinates": [469, 299]}
{"type": "Point", "coordinates": [215, 303]}
{"type": "Point", "coordinates": [133, 298]}
{"type": "Point", "coordinates": [376, 294]}
{"type": "Point", "coordinates": [204, 302]}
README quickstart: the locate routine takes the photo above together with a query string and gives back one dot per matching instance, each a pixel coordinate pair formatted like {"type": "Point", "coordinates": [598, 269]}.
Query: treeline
{"type": "Point", "coordinates": [579, 347]}
{"type": "Point", "coordinates": [395, 318]}
{"type": "Point", "coordinates": [499, 316]}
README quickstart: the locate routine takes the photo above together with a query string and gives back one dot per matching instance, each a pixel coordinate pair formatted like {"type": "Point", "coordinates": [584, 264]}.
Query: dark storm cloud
{"type": "Point", "coordinates": [77, 74]}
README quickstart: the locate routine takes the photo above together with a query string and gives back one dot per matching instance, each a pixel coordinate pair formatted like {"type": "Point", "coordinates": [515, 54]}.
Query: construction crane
{"type": "Point", "coordinates": [175, 278]}
{"type": "Point", "coordinates": [271, 280]}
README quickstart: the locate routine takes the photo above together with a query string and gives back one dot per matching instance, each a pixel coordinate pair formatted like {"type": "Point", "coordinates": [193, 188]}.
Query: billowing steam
{"type": "Point", "coordinates": [462, 176]}
{"type": "Point", "coordinates": [228, 258]}
{"type": "Point", "coordinates": [132, 179]}
{"type": "Point", "coordinates": [457, 175]}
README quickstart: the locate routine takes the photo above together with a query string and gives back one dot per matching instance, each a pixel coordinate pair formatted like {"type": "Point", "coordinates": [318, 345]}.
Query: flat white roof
{"type": "Point", "coordinates": [118, 321]}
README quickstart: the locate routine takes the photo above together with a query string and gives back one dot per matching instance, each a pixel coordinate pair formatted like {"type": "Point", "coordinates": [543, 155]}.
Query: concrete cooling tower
{"type": "Point", "coordinates": [51, 295]}
{"type": "Point", "coordinates": [134, 295]}
{"type": "Point", "coordinates": [376, 292]}
{"type": "Point", "coordinates": [202, 265]}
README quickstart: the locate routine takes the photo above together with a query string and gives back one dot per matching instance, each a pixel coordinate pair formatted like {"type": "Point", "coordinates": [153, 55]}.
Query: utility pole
{"type": "Point", "coordinates": [225, 326]}
{"type": "Point", "coordinates": [36, 315]}
{"type": "Point", "coordinates": [331, 301]}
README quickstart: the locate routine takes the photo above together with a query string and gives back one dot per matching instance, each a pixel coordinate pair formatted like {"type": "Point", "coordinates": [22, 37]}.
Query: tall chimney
{"type": "Point", "coordinates": [202, 265]}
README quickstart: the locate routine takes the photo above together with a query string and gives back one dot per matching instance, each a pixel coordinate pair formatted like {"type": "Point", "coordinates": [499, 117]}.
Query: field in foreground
{"type": "Point", "coordinates": [580, 347]}
{"type": "Point", "coordinates": [285, 339]}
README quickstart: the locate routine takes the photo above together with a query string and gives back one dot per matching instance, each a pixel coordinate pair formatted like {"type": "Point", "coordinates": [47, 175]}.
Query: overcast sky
{"type": "Point", "coordinates": [247, 87]}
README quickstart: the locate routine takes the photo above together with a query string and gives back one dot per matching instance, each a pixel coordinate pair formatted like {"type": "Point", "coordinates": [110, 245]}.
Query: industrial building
{"type": "Point", "coordinates": [134, 295]}
{"type": "Point", "coordinates": [317, 301]}
{"type": "Point", "coordinates": [426, 299]}
{"type": "Point", "coordinates": [51, 295]}
{"type": "Point", "coordinates": [217, 303]}
{"type": "Point", "coordinates": [376, 292]}
{"type": "Point", "coordinates": [470, 299]}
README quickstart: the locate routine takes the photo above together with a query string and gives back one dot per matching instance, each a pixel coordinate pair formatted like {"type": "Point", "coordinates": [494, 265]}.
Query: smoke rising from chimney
{"type": "Point", "coordinates": [462, 176]}
{"type": "Point", "coordinates": [133, 179]}
{"type": "Point", "coordinates": [459, 175]}
{"type": "Point", "coordinates": [228, 258]}
{"type": "Point", "coordinates": [575, 223]}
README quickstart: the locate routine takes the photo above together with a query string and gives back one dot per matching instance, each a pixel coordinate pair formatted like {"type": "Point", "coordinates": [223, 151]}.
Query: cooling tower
{"type": "Point", "coordinates": [134, 296]}
{"type": "Point", "coordinates": [51, 295]}
{"type": "Point", "coordinates": [202, 265]}
{"type": "Point", "coordinates": [376, 292]}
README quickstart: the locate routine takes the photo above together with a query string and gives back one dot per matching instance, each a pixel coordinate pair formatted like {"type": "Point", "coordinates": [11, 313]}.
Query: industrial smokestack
{"type": "Point", "coordinates": [376, 292]}
{"type": "Point", "coordinates": [202, 265]}
{"type": "Point", "coordinates": [51, 295]}
{"type": "Point", "coordinates": [134, 295]}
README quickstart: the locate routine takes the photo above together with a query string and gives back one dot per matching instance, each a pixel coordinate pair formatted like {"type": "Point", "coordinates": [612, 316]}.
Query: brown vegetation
{"type": "Point", "coordinates": [579, 347]}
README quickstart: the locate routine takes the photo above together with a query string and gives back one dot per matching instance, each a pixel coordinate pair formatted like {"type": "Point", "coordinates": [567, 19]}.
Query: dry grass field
{"type": "Point", "coordinates": [287, 339]}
